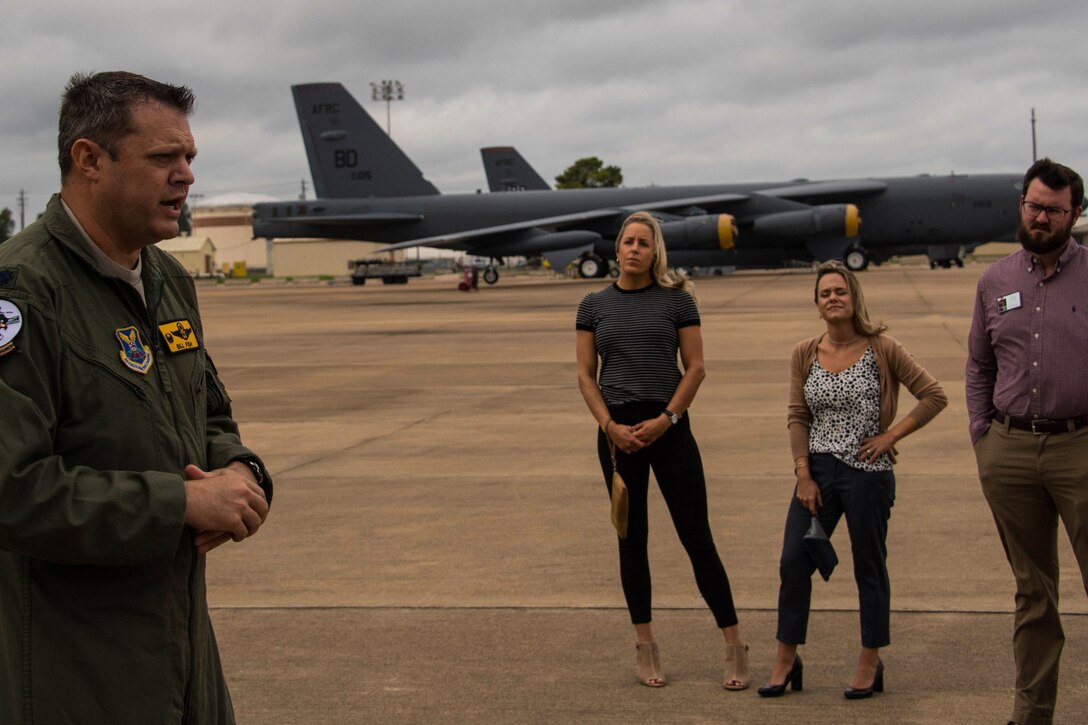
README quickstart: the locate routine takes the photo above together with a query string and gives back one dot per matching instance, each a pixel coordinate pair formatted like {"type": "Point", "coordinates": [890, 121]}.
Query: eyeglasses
{"type": "Point", "coordinates": [1053, 213]}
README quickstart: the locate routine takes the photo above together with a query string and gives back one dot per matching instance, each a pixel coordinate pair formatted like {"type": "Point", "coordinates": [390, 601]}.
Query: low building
{"type": "Point", "coordinates": [321, 257]}
{"type": "Point", "coordinates": [228, 221]}
{"type": "Point", "coordinates": [196, 254]}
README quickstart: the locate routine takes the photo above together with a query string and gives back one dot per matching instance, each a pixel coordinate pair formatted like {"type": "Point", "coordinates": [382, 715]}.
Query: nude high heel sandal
{"type": "Point", "coordinates": [648, 664]}
{"type": "Point", "coordinates": [736, 667]}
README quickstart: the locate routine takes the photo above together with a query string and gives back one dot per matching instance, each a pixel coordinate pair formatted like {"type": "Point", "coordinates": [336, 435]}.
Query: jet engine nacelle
{"type": "Point", "coordinates": [837, 219]}
{"type": "Point", "coordinates": [538, 243]}
{"type": "Point", "coordinates": [713, 231]}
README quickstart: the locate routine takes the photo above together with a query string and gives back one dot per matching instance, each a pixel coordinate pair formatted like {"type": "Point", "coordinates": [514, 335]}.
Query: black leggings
{"type": "Point", "coordinates": [678, 469]}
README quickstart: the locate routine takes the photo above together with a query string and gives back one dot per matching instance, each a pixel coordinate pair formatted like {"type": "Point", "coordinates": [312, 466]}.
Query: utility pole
{"type": "Point", "coordinates": [22, 209]}
{"type": "Point", "coordinates": [387, 91]}
{"type": "Point", "coordinates": [302, 194]}
{"type": "Point", "coordinates": [1034, 155]}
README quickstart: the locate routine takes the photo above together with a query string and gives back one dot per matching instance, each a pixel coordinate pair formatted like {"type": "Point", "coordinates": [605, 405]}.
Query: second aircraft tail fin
{"type": "Point", "coordinates": [507, 170]}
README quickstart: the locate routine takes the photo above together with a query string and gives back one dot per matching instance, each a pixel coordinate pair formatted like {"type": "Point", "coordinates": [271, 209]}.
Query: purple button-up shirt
{"type": "Point", "coordinates": [1027, 354]}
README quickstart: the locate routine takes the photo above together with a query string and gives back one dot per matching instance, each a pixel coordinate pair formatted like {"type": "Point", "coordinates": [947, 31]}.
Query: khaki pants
{"type": "Point", "coordinates": [1029, 482]}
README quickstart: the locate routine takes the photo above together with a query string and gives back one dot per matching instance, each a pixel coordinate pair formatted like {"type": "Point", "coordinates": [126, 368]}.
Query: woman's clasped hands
{"type": "Point", "coordinates": [632, 438]}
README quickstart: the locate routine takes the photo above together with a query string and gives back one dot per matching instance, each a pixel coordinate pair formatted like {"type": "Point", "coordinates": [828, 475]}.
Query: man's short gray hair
{"type": "Point", "coordinates": [97, 107]}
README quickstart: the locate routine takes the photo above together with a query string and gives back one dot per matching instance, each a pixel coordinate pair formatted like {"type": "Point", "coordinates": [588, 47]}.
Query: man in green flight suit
{"type": "Point", "coordinates": [120, 464]}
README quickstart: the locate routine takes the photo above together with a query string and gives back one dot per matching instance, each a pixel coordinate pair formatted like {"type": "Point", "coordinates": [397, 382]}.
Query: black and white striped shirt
{"type": "Point", "coordinates": [635, 332]}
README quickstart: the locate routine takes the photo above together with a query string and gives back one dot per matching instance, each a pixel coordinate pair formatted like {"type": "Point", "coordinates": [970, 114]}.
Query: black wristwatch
{"type": "Point", "coordinates": [258, 472]}
{"type": "Point", "coordinates": [673, 417]}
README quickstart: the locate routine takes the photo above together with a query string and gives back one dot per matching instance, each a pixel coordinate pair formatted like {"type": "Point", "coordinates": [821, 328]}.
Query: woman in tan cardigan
{"type": "Point", "coordinates": [844, 387]}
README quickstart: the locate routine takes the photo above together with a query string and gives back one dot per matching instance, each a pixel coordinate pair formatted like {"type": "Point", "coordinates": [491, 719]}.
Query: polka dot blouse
{"type": "Point", "coordinates": [845, 410]}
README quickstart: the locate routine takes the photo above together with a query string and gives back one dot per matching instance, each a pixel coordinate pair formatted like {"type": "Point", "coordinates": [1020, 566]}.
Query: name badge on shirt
{"type": "Point", "coordinates": [1008, 302]}
{"type": "Point", "coordinates": [179, 336]}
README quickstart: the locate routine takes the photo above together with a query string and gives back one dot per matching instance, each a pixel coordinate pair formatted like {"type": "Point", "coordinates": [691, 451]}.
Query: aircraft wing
{"type": "Point", "coordinates": [821, 189]}
{"type": "Point", "coordinates": [460, 238]}
{"type": "Point", "coordinates": [362, 219]}
{"type": "Point", "coordinates": [711, 200]}
{"type": "Point", "coordinates": [619, 213]}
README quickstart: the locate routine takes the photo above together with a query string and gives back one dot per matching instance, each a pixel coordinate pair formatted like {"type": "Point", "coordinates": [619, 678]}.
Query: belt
{"type": "Point", "coordinates": [1038, 426]}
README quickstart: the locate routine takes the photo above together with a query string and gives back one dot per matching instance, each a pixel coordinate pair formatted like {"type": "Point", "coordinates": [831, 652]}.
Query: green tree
{"type": "Point", "coordinates": [589, 173]}
{"type": "Point", "coordinates": [7, 224]}
{"type": "Point", "coordinates": [185, 223]}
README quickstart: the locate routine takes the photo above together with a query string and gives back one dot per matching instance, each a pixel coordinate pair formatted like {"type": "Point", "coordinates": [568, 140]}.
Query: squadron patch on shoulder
{"type": "Point", "coordinates": [11, 321]}
{"type": "Point", "coordinates": [179, 336]}
{"type": "Point", "coordinates": [133, 353]}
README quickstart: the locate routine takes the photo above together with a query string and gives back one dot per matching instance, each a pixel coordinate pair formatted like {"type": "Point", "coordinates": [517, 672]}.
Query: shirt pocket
{"type": "Point", "coordinates": [106, 414]}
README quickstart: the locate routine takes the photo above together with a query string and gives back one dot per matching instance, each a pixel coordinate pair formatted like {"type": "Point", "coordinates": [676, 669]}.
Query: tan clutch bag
{"type": "Point", "coordinates": [619, 496]}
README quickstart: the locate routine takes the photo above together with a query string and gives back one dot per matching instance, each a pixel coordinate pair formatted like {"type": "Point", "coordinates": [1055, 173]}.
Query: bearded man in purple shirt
{"type": "Point", "coordinates": [1027, 400]}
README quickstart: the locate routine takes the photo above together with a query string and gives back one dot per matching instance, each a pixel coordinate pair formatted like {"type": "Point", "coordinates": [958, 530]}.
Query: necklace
{"type": "Point", "coordinates": [842, 342]}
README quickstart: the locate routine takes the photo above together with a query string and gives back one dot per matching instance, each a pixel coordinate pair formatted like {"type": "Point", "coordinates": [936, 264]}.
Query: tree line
{"type": "Point", "coordinates": [7, 224]}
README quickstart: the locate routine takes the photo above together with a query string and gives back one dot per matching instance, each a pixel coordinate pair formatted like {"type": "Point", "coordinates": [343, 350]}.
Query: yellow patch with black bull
{"type": "Point", "coordinates": [179, 336]}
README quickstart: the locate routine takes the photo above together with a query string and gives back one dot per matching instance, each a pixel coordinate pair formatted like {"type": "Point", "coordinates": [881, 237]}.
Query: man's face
{"type": "Point", "coordinates": [1037, 233]}
{"type": "Point", "coordinates": [143, 186]}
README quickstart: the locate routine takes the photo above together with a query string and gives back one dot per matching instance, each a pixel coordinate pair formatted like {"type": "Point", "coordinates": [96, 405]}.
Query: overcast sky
{"type": "Point", "coordinates": [673, 92]}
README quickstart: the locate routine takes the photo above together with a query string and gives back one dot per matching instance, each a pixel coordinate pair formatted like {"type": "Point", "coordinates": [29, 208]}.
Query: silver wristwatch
{"type": "Point", "coordinates": [673, 417]}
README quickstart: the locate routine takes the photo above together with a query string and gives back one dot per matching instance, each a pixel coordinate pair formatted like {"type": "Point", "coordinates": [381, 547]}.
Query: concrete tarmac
{"type": "Point", "coordinates": [439, 547]}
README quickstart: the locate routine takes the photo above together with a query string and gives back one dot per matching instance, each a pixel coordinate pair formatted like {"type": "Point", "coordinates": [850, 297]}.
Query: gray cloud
{"type": "Point", "coordinates": [673, 92]}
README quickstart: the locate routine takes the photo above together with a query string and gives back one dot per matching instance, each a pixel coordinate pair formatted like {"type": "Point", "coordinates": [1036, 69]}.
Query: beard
{"type": "Point", "coordinates": [1046, 243]}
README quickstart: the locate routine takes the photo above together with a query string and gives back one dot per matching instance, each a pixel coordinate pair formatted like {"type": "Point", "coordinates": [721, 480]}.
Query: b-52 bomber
{"type": "Point", "coordinates": [369, 189]}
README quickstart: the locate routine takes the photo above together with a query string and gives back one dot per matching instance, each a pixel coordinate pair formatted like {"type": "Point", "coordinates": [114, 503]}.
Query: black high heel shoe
{"type": "Point", "coordinates": [861, 693]}
{"type": "Point", "coordinates": [794, 678]}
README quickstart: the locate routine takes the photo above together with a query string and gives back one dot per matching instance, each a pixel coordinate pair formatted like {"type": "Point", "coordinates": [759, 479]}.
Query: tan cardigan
{"type": "Point", "coordinates": [894, 364]}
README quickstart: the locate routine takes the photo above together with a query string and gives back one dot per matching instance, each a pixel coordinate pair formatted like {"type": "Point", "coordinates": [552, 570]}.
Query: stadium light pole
{"type": "Point", "coordinates": [1034, 153]}
{"type": "Point", "coordinates": [387, 91]}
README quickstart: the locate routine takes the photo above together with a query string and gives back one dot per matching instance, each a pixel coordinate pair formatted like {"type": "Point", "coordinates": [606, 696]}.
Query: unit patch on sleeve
{"type": "Point", "coordinates": [133, 353]}
{"type": "Point", "coordinates": [11, 321]}
{"type": "Point", "coordinates": [179, 336]}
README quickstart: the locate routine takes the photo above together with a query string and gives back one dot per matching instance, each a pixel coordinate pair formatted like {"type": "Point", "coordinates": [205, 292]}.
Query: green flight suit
{"type": "Point", "coordinates": [103, 613]}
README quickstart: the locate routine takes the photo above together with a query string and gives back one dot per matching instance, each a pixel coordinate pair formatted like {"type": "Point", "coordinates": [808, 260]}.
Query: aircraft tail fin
{"type": "Point", "coordinates": [507, 170]}
{"type": "Point", "coordinates": [350, 155]}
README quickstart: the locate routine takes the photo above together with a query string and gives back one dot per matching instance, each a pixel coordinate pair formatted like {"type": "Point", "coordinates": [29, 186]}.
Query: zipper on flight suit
{"type": "Point", "coordinates": [145, 311]}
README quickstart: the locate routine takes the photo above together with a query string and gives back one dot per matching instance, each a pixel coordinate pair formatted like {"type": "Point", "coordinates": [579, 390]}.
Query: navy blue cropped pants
{"type": "Point", "coordinates": [866, 498]}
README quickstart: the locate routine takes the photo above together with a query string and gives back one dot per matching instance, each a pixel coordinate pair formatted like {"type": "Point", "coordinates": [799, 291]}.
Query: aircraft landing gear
{"type": "Point", "coordinates": [856, 259]}
{"type": "Point", "coordinates": [491, 275]}
{"type": "Point", "coordinates": [592, 266]}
